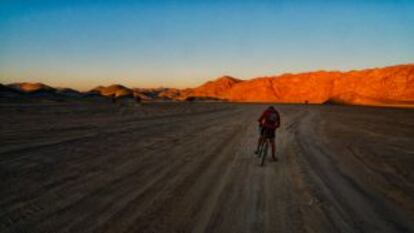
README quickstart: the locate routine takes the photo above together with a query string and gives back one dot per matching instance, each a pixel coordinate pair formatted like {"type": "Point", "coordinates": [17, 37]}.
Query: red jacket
{"type": "Point", "coordinates": [263, 120]}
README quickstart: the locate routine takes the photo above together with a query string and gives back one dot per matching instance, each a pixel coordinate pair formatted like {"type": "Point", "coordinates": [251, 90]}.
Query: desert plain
{"type": "Point", "coordinates": [190, 167]}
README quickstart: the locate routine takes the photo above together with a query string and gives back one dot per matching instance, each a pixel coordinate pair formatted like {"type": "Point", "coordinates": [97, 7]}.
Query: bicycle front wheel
{"type": "Point", "coordinates": [264, 152]}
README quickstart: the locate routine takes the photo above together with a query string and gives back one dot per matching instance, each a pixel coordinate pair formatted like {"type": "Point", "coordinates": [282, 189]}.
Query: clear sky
{"type": "Point", "coordinates": [82, 44]}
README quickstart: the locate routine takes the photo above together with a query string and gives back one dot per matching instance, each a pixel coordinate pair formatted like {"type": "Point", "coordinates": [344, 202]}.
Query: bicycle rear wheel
{"type": "Point", "coordinates": [260, 149]}
{"type": "Point", "coordinates": [264, 152]}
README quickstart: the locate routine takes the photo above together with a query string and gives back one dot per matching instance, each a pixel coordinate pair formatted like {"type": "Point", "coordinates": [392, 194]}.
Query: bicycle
{"type": "Point", "coordinates": [263, 148]}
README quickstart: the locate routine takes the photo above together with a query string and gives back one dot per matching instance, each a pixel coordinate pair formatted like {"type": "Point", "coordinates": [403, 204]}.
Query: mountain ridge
{"type": "Point", "coordinates": [392, 85]}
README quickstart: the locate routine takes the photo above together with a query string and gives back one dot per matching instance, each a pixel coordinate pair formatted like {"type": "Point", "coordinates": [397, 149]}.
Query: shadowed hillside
{"type": "Point", "coordinates": [38, 90]}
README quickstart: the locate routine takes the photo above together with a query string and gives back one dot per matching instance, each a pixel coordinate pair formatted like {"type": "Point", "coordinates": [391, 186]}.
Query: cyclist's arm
{"type": "Point", "coordinates": [278, 120]}
{"type": "Point", "coordinates": [262, 117]}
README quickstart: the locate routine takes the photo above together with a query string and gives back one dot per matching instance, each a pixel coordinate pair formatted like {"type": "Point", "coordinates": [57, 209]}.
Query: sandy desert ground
{"type": "Point", "coordinates": [190, 167]}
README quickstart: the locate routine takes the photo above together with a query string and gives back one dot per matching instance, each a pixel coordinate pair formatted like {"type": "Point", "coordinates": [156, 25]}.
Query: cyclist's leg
{"type": "Point", "coordinates": [264, 150]}
{"type": "Point", "coordinates": [272, 142]}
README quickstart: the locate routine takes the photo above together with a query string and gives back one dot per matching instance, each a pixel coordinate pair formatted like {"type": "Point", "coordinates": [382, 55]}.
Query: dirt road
{"type": "Point", "coordinates": [190, 167]}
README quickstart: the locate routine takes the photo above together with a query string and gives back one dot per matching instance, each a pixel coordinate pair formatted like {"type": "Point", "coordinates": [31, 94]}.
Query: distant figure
{"type": "Point", "coordinates": [269, 121]}
{"type": "Point", "coordinates": [137, 99]}
{"type": "Point", "coordinates": [113, 98]}
{"type": "Point", "coordinates": [190, 99]}
{"type": "Point", "coordinates": [306, 102]}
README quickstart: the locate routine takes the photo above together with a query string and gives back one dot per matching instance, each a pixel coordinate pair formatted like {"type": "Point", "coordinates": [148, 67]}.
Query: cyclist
{"type": "Point", "coordinates": [269, 121]}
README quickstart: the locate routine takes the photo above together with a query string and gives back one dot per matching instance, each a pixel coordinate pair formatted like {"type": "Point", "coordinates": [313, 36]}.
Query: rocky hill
{"type": "Point", "coordinates": [115, 90]}
{"type": "Point", "coordinates": [380, 86]}
{"type": "Point", "coordinates": [31, 87]}
{"type": "Point", "coordinates": [388, 86]}
{"type": "Point", "coordinates": [217, 88]}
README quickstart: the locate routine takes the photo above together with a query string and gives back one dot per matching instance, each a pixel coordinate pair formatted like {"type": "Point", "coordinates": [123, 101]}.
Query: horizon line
{"type": "Point", "coordinates": [220, 76]}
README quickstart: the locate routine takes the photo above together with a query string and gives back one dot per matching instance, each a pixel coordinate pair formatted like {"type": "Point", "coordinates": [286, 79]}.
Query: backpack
{"type": "Point", "coordinates": [272, 117]}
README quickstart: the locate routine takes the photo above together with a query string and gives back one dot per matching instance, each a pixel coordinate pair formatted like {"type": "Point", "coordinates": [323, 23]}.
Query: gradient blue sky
{"type": "Point", "coordinates": [82, 44]}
